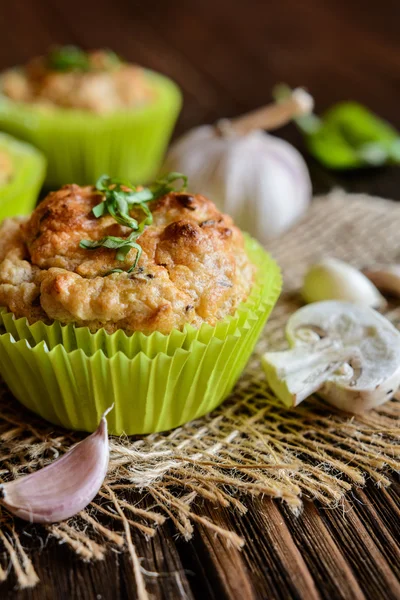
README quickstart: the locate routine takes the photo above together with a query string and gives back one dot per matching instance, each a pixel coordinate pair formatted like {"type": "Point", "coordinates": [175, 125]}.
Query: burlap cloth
{"type": "Point", "coordinates": [251, 445]}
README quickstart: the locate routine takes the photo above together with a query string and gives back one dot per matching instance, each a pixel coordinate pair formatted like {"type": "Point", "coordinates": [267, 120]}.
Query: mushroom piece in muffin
{"type": "Point", "coordinates": [118, 257]}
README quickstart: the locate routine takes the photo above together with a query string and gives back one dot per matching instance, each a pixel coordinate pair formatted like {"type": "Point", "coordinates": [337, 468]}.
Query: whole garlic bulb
{"type": "Point", "coordinates": [260, 180]}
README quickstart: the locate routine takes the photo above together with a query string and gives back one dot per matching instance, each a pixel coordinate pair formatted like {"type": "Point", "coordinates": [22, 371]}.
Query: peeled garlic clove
{"type": "Point", "coordinates": [63, 488]}
{"type": "Point", "coordinates": [352, 361]}
{"type": "Point", "coordinates": [333, 279]}
{"type": "Point", "coordinates": [386, 278]}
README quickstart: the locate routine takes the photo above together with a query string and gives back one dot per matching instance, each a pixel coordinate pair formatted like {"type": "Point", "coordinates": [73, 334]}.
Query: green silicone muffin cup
{"type": "Point", "coordinates": [80, 146]}
{"type": "Point", "coordinates": [19, 196]}
{"type": "Point", "coordinates": [150, 393]}
{"type": "Point", "coordinates": [72, 337]}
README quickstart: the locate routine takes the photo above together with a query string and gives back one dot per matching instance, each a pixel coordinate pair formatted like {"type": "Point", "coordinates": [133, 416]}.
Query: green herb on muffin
{"type": "Point", "coordinates": [71, 58]}
{"type": "Point", "coordinates": [68, 58]}
{"type": "Point", "coordinates": [119, 197]}
{"type": "Point", "coordinates": [68, 77]}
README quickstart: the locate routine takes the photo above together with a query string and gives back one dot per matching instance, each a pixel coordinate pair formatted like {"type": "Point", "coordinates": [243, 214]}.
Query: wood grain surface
{"type": "Point", "coordinates": [226, 55]}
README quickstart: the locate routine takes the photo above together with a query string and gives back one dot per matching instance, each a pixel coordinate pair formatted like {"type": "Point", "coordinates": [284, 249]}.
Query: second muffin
{"type": "Point", "coordinates": [90, 113]}
{"type": "Point", "coordinates": [64, 264]}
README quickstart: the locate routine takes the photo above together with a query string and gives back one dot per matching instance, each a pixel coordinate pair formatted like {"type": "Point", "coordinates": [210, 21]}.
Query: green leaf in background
{"type": "Point", "coordinates": [347, 136]}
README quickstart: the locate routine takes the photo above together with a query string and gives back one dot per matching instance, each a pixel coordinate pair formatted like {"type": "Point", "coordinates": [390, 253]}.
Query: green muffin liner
{"type": "Point", "coordinates": [150, 393]}
{"type": "Point", "coordinates": [19, 196]}
{"type": "Point", "coordinates": [72, 337]}
{"type": "Point", "coordinates": [80, 145]}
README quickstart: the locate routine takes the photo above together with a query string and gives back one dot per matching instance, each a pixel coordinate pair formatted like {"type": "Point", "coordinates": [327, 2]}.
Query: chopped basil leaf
{"type": "Point", "coordinates": [118, 196]}
{"type": "Point", "coordinates": [68, 58]}
{"type": "Point", "coordinates": [71, 58]}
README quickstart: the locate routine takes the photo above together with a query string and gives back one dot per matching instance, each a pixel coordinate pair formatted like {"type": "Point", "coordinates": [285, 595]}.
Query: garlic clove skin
{"type": "Point", "coordinates": [386, 278]}
{"type": "Point", "coordinates": [333, 279]}
{"type": "Point", "coordinates": [352, 361]}
{"type": "Point", "coordinates": [260, 180]}
{"type": "Point", "coordinates": [63, 488]}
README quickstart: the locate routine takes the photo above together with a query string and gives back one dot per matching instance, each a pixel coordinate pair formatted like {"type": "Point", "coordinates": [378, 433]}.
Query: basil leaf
{"type": "Point", "coordinates": [347, 136]}
{"type": "Point", "coordinates": [107, 242]}
{"type": "Point", "coordinates": [114, 271]}
{"type": "Point", "coordinates": [113, 60]}
{"type": "Point", "coordinates": [138, 255]}
{"type": "Point", "coordinates": [118, 196]}
{"type": "Point", "coordinates": [139, 197]}
{"type": "Point", "coordinates": [103, 183]}
{"type": "Point", "coordinates": [89, 244]}
{"type": "Point", "coordinates": [99, 209]}
{"type": "Point", "coordinates": [68, 58]}
{"type": "Point", "coordinates": [122, 204]}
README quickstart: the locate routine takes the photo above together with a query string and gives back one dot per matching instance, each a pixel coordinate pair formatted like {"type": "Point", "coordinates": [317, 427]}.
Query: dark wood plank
{"type": "Point", "coordinates": [225, 562]}
{"type": "Point", "coordinates": [382, 526]}
{"type": "Point", "coordinates": [374, 573]}
{"type": "Point", "coordinates": [59, 569]}
{"type": "Point", "coordinates": [333, 575]}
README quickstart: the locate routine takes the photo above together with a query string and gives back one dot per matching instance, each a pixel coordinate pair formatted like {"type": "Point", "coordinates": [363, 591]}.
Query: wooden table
{"type": "Point", "coordinates": [226, 55]}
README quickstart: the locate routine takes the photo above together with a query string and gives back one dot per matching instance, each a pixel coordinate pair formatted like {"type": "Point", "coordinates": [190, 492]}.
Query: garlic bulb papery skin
{"type": "Point", "coordinates": [260, 180]}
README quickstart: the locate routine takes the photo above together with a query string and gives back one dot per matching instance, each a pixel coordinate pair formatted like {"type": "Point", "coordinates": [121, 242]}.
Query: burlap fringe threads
{"type": "Point", "coordinates": [250, 446]}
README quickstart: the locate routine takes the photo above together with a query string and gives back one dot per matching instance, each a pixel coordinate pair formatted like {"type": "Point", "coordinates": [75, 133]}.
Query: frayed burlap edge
{"type": "Point", "coordinates": [249, 446]}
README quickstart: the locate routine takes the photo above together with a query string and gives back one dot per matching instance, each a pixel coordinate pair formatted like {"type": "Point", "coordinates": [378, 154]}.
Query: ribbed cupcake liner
{"type": "Point", "coordinates": [149, 394]}
{"type": "Point", "coordinates": [72, 337]}
{"type": "Point", "coordinates": [80, 146]}
{"type": "Point", "coordinates": [19, 196]}
{"type": "Point", "coordinates": [172, 384]}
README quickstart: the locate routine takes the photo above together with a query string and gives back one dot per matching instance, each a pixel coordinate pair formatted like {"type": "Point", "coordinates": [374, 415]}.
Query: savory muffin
{"type": "Point", "coordinates": [67, 77]}
{"type": "Point", "coordinates": [90, 113]}
{"type": "Point", "coordinates": [170, 259]}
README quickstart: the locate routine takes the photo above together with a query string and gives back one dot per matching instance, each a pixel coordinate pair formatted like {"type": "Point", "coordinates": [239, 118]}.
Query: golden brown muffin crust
{"type": "Point", "coordinates": [193, 267]}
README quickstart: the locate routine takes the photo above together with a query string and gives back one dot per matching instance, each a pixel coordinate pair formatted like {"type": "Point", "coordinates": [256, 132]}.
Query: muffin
{"type": "Point", "coordinates": [90, 113]}
{"type": "Point", "coordinates": [22, 171]}
{"type": "Point", "coordinates": [146, 296]}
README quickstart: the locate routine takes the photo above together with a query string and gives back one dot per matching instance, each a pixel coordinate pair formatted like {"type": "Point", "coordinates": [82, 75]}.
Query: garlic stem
{"type": "Point", "coordinates": [63, 488]}
{"type": "Point", "coordinates": [269, 117]}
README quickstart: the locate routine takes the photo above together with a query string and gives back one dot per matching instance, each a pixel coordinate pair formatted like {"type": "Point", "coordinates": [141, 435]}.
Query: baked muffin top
{"type": "Point", "coordinates": [81, 258]}
{"type": "Point", "coordinates": [68, 77]}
